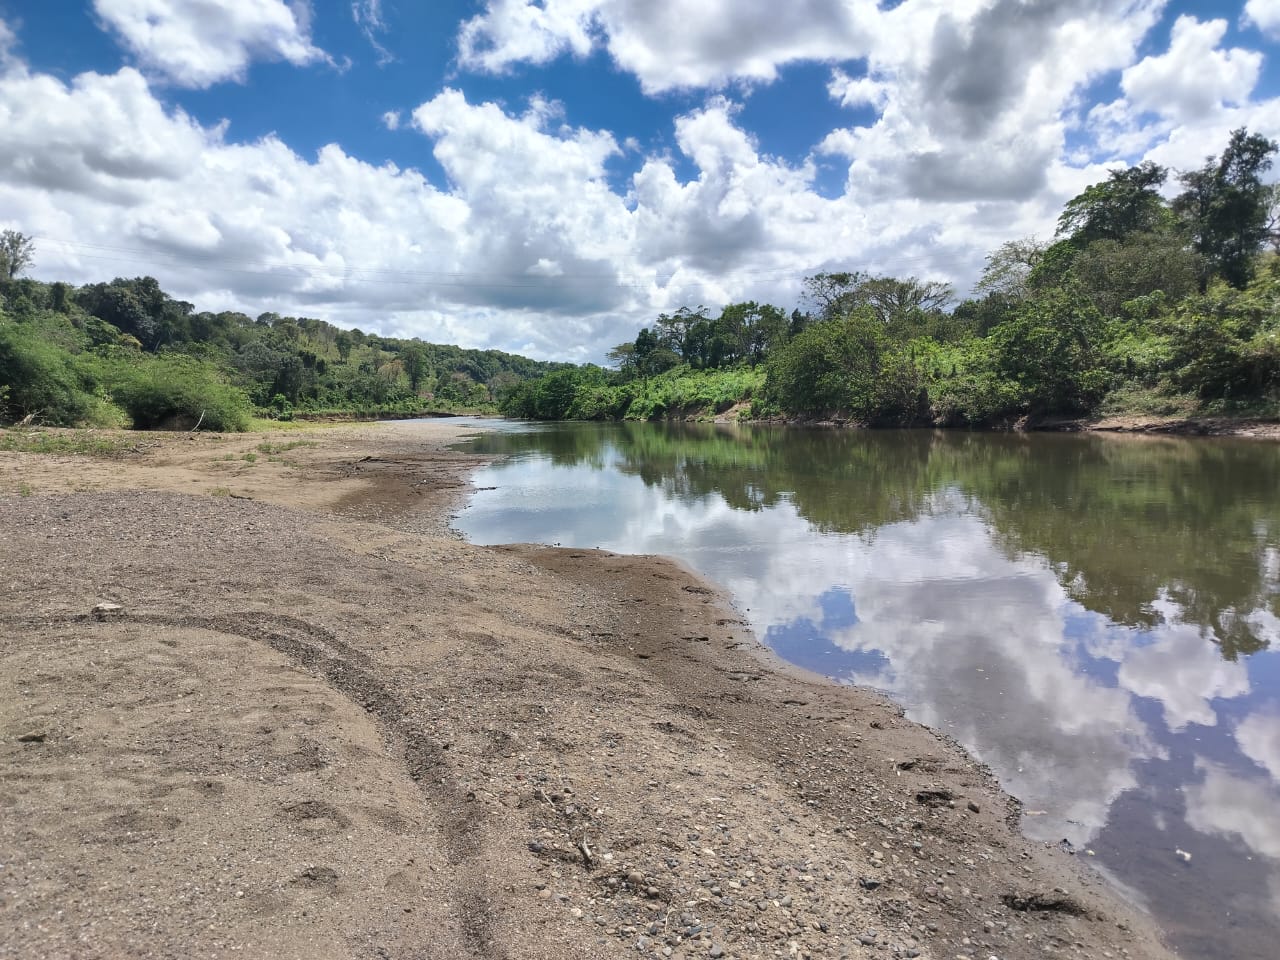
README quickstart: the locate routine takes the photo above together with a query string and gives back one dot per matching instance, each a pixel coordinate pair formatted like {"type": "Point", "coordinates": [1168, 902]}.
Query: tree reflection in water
{"type": "Point", "coordinates": [1090, 615]}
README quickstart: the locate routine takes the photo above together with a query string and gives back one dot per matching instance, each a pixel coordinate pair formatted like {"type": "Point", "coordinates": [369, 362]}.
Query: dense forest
{"type": "Point", "coordinates": [125, 353]}
{"type": "Point", "coordinates": [1139, 305]}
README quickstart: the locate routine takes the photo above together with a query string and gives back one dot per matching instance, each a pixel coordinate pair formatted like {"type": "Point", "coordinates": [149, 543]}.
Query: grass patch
{"type": "Point", "coordinates": [267, 425]}
{"type": "Point", "coordinates": [1135, 400]}
{"type": "Point", "coordinates": [1260, 408]}
{"type": "Point", "coordinates": [88, 443]}
{"type": "Point", "coordinates": [275, 449]}
{"type": "Point", "coordinates": [220, 492]}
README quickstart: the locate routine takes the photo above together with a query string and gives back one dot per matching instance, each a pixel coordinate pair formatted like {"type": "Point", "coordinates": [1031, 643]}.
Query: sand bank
{"type": "Point", "coordinates": [320, 726]}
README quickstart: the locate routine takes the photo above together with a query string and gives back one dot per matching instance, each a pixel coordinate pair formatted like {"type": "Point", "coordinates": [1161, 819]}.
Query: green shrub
{"type": "Point", "coordinates": [1052, 349]}
{"type": "Point", "coordinates": [1225, 344]}
{"type": "Point", "coordinates": [830, 367]}
{"type": "Point", "coordinates": [973, 398]}
{"type": "Point", "coordinates": [685, 392]}
{"type": "Point", "coordinates": [41, 379]}
{"type": "Point", "coordinates": [178, 391]}
{"type": "Point", "coordinates": [599, 402]}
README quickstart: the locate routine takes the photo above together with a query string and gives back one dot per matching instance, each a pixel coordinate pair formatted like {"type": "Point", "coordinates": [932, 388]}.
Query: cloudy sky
{"type": "Point", "coordinates": [545, 176]}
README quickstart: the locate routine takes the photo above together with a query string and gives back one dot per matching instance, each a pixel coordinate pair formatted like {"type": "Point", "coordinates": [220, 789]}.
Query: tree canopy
{"type": "Point", "coordinates": [1226, 207]}
{"type": "Point", "coordinates": [16, 253]}
{"type": "Point", "coordinates": [1138, 304]}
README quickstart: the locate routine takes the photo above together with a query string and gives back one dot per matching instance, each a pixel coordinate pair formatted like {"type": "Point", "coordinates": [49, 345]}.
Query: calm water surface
{"type": "Point", "coordinates": [1096, 618]}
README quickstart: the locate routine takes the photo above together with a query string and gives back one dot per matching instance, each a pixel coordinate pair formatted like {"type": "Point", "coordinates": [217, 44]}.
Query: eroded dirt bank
{"type": "Point", "coordinates": [320, 727]}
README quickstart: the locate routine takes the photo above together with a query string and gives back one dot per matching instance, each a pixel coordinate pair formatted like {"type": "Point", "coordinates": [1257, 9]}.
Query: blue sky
{"type": "Point", "coordinates": [546, 177]}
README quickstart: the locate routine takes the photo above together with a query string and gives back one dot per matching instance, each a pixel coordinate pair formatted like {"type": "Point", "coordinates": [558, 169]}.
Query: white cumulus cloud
{"type": "Point", "coordinates": [669, 44]}
{"type": "Point", "coordinates": [197, 43]}
{"type": "Point", "coordinates": [1194, 77]}
{"type": "Point", "coordinates": [1180, 105]}
{"type": "Point", "coordinates": [541, 235]}
{"type": "Point", "coordinates": [1228, 805]}
{"type": "Point", "coordinates": [515, 31]}
{"type": "Point", "coordinates": [1184, 672]}
{"type": "Point", "coordinates": [1264, 14]}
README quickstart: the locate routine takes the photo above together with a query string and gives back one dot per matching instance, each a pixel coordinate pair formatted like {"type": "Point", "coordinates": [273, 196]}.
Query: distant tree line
{"type": "Point", "coordinates": [1137, 305]}
{"type": "Point", "coordinates": [125, 352]}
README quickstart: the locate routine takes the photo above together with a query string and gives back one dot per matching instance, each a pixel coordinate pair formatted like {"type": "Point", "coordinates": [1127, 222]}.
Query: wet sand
{"type": "Point", "coordinates": [318, 725]}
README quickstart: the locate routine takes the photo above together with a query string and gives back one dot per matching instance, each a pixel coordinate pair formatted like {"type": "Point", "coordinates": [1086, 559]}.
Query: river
{"type": "Point", "coordinates": [1096, 618]}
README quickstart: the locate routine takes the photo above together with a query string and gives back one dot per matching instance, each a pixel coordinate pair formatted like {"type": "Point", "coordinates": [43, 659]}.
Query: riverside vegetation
{"type": "Point", "coordinates": [1140, 305]}
{"type": "Point", "coordinates": [125, 353]}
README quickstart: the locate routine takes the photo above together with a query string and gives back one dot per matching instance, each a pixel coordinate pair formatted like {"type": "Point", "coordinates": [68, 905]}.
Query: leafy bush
{"type": "Point", "coordinates": [1051, 349]}
{"type": "Point", "coordinates": [41, 379]}
{"type": "Point", "coordinates": [684, 392]}
{"type": "Point", "coordinates": [600, 402]}
{"type": "Point", "coordinates": [831, 367]}
{"type": "Point", "coordinates": [178, 391]}
{"type": "Point", "coordinates": [973, 398]}
{"type": "Point", "coordinates": [1225, 344]}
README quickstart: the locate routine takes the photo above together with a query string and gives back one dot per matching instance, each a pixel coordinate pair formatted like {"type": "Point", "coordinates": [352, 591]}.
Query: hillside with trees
{"type": "Point", "coordinates": [125, 353]}
{"type": "Point", "coordinates": [1139, 305]}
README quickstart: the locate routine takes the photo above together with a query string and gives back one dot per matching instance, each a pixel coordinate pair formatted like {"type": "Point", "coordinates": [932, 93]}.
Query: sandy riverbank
{"type": "Point", "coordinates": [319, 726]}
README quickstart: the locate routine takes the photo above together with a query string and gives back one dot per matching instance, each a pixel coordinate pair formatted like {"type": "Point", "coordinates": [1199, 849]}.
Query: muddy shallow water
{"type": "Point", "coordinates": [1093, 617]}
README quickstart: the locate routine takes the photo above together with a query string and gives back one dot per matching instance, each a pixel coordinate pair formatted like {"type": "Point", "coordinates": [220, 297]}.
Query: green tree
{"type": "Point", "coordinates": [1009, 267]}
{"type": "Point", "coordinates": [502, 383]}
{"type": "Point", "coordinates": [652, 354]}
{"type": "Point", "coordinates": [830, 366]}
{"type": "Point", "coordinates": [1227, 207]}
{"type": "Point", "coordinates": [343, 341]}
{"type": "Point", "coordinates": [16, 253]}
{"type": "Point", "coordinates": [623, 359]}
{"type": "Point", "coordinates": [834, 294]}
{"type": "Point", "coordinates": [554, 394]}
{"type": "Point", "coordinates": [1226, 343]}
{"type": "Point", "coordinates": [268, 366]}
{"type": "Point", "coordinates": [139, 307]}
{"type": "Point", "coordinates": [1113, 272]}
{"type": "Point", "coordinates": [671, 329]}
{"type": "Point", "coordinates": [752, 329]}
{"type": "Point", "coordinates": [904, 305]}
{"type": "Point", "coordinates": [980, 317]}
{"type": "Point", "coordinates": [1127, 202]}
{"type": "Point", "coordinates": [707, 345]}
{"type": "Point", "coordinates": [1051, 348]}
{"type": "Point", "coordinates": [901, 303]}
{"type": "Point", "coordinates": [414, 360]}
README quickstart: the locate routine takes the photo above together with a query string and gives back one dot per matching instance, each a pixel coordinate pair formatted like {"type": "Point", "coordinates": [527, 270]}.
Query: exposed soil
{"type": "Point", "coordinates": [310, 723]}
{"type": "Point", "coordinates": [1130, 423]}
{"type": "Point", "coordinates": [1174, 426]}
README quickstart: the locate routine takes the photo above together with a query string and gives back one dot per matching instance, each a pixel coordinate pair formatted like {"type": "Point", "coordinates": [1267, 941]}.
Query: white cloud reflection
{"type": "Point", "coordinates": [1259, 738]}
{"type": "Point", "coordinates": [1070, 710]}
{"type": "Point", "coordinates": [987, 648]}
